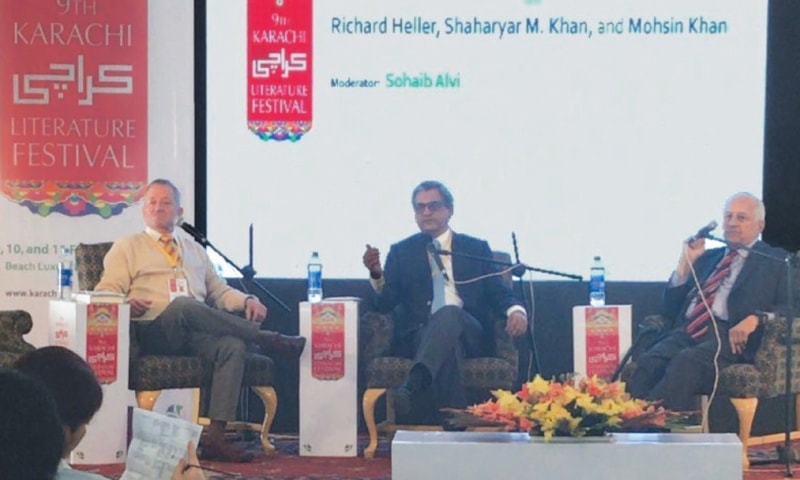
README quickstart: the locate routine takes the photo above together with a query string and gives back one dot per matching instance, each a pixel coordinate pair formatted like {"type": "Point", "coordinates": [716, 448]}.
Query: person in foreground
{"type": "Point", "coordinates": [77, 394]}
{"type": "Point", "coordinates": [31, 440]}
{"type": "Point", "coordinates": [180, 306]}
{"type": "Point", "coordinates": [447, 302]}
{"type": "Point", "coordinates": [737, 284]}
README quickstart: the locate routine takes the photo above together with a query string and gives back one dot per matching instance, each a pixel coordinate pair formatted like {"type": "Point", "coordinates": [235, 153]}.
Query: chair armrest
{"type": "Point", "coordinates": [503, 343]}
{"type": "Point", "coordinates": [13, 325]}
{"type": "Point", "coordinates": [375, 336]}
{"type": "Point", "coordinates": [770, 359]}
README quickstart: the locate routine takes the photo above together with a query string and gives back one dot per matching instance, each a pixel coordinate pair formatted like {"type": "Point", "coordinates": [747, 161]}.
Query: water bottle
{"type": "Point", "coordinates": [314, 279]}
{"type": "Point", "coordinates": [597, 283]}
{"type": "Point", "coordinates": [65, 273]}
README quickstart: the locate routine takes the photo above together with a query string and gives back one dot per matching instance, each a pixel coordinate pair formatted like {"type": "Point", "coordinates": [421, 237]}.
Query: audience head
{"type": "Point", "coordinates": [161, 207]}
{"type": "Point", "coordinates": [31, 439]}
{"type": "Point", "coordinates": [743, 218]}
{"type": "Point", "coordinates": [72, 384]}
{"type": "Point", "coordinates": [433, 207]}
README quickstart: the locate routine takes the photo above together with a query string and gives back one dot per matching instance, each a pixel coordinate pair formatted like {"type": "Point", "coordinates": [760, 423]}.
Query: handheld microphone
{"type": "Point", "coordinates": [436, 258]}
{"type": "Point", "coordinates": [703, 232]}
{"type": "Point", "coordinates": [199, 237]}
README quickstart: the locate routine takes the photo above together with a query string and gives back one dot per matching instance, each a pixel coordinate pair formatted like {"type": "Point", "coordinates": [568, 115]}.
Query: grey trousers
{"type": "Point", "coordinates": [190, 327]}
{"type": "Point", "coordinates": [450, 336]}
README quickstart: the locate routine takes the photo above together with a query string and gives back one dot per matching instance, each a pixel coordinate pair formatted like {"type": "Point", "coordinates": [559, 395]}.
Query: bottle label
{"type": "Point", "coordinates": [65, 278]}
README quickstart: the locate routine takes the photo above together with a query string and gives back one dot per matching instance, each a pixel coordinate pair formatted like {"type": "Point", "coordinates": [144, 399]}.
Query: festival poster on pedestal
{"type": "Point", "coordinates": [279, 59]}
{"type": "Point", "coordinates": [327, 341]}
{"type": "Point", "coordinates": [73, 105]}
{"type": "Point", "coordinates": [102, 335]}
{"type": "Point", "coordinates": [602, 341]}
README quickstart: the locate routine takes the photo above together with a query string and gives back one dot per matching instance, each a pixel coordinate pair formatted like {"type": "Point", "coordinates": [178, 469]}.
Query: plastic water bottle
{"type": "Point", "coordinates": [597, 283]}
{"type": "Point", "coordinates": [65, 274]}
{"type": "Point", "coordinates": [314, 279]}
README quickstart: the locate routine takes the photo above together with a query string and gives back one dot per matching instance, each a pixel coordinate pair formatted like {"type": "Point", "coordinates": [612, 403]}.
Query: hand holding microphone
{"type": "Point", "coordinates": [693, 247]}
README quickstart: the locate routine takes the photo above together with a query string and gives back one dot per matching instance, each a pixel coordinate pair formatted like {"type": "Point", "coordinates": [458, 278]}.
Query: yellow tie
{"type": "Point", "coordinates": [170, 249]}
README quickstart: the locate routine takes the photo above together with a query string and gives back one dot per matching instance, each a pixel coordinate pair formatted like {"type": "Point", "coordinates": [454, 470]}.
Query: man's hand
{"type": "Point", "coordinates": [254, 310]}
{"type": "Point", "coordinates": [689, 253]}
{"type": "Point", "coordinates": [187, 469]}
{"type": "Point", "coordinates": [516, 324]}
{"type": "Point", "coordinates": [740, 332]}
{"type": "Point", "coordinates": [372, 260]}
{"type": "Point", "coordinates": [139, 306]}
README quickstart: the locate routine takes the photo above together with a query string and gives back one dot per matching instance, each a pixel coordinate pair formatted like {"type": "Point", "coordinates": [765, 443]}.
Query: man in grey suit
{"type": "Point", "coordinates": [714, 297]}
{"type": "Point", "coordinates": [447, 303]}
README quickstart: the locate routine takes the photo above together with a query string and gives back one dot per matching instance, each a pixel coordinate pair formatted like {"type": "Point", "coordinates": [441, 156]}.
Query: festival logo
{"type": "Point", "coordinates": [327, 341]}
{"type": "Point", "coordinates": [102, 335]}
{"type": "Point", "coordinates": [602, 341]}
{"type": "Point", "coordinates": [279, 80]}
{"type": "Point", "coordinates": [73, 105]}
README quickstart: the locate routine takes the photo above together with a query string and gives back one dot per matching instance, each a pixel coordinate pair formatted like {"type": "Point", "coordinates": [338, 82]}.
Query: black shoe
{"type": "Point", "coordinates": [278, 343]}
{"type": "Point", "coordinates": [401, 399]}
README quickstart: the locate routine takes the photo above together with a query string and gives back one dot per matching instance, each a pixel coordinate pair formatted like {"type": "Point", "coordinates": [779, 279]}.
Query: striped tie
{"type": "Point", "coordinates": [696, 319]}
{"type": "Point", "coordinates": [170, 248]}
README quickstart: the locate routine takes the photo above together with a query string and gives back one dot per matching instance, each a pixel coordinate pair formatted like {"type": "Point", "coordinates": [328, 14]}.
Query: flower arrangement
{"type": "Point", "coordinates": [567, 408]}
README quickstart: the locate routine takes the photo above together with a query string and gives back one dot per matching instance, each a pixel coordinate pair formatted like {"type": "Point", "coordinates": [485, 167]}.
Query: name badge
{"type": "Point", "coordinates": [178, 287]}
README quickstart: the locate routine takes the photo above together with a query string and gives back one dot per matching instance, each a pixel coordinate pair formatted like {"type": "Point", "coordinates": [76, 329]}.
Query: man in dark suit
{"type": "Point", "coordinates": [737, 283]}
{"type": "Point", "coordinates": [446, 303]}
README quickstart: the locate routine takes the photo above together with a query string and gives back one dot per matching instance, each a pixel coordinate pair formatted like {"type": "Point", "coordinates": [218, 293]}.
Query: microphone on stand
{"type": "Point", "coordinates": [519, 269]}
{"type": "Point", "coordinates": [199, 237]}
{"type": "Point", "coordinates": [703, 232]}
{"type": "Point", "coordinates": [436, 258]}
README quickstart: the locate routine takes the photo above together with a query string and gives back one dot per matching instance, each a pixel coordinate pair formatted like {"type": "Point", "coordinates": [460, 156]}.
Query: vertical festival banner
{"type": "Point", "coordinates": [602, 341]}
{"type": "Point", "coordinates": [279, 73]}
{"type": "Point", "coordinates": [327, 341]}
{"type": "Point", "coordinates": [102, 334]}
{"type": "Point", "coordinates": [73, 105]}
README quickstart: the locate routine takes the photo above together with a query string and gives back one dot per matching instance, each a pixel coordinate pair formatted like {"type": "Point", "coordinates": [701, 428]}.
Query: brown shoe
{"type": "Point", "coordinates": [218, 450]}
{"type": "Point", "coordinates": [281, 344]}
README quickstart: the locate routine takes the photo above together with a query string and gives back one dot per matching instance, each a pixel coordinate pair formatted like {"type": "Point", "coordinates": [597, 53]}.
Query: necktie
{"type": "Point", "coordinates": [698, 317]}
{"type": "Point", "coordinates": [438, 281]}
{"type": "Point", "coordinates": [170, 248]}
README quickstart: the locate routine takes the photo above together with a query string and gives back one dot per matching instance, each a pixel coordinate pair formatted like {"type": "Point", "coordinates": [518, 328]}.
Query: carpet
{"type": "Point", "coordinates": [287, 464]}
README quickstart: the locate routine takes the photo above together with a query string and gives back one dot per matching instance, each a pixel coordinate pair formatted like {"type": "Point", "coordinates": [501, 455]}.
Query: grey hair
{"type": "Point", "coordinates": [175, 192]}
{"type": "Point", "coordinates": [434, 185]}
{"type": "Point", "coordinates": [760, 211]}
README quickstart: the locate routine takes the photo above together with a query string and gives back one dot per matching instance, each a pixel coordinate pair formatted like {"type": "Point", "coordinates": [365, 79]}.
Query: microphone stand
{"type": "Point", "coordinates": [518, 271]}
{"type": "Point", "coordinates": [247, 272]}
{"type": "Point", "coordinates": [518, 267]}
{"type": "Point", "coordinates": [791, 261]}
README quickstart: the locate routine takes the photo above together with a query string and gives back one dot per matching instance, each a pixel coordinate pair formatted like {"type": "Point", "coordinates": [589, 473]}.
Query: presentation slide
{"type": "Point", "coordinates": [586, 128]}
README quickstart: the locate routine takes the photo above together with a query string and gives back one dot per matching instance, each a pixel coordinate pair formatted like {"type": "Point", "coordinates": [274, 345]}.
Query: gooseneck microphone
{"type": "Point", "coordinates": [199, 237]}
{"type": "Point", "coordinates": [436, 258]}
{"type": "Point", "coordinates": [703, 232]}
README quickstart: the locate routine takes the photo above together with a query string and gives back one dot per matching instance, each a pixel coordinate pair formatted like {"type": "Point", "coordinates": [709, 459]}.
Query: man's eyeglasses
{"type": "Point", "coordinates": [432, 207]}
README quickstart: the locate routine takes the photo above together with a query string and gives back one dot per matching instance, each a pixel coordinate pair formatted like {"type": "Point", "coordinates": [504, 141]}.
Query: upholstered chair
{"type": "Point", "coordinates": [13, 325]}
{"type": "Point", "coordinates": [743, 383]}
{"type": "Point", "coordinates": [382, 371]}
{"type": "Point", "coordinates": [150, 374]}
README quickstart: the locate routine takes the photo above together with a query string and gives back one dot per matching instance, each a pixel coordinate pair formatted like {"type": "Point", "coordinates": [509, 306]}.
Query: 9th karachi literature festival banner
{"type": "Point", "coordinates": [95, 101]}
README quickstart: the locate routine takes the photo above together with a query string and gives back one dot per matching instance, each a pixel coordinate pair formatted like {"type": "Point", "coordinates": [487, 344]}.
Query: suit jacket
{"type": "Point", "coordinates": [760, 286]}
{"type": "Point", "coordinates": [408, 287]}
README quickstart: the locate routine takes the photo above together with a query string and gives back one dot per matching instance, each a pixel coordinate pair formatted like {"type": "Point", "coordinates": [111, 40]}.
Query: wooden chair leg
{"type": "Point", "coordinates": [746, 411]}
{"type": "Point", "coordinates": [146, 399]}
{"type": "Point", "coordinates": [371, 397]}
{"type": "Point", "coordinates": [270, 400]}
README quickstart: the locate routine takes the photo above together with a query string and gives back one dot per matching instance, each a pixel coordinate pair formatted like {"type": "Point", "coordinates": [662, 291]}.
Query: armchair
{"type": "Point", "coordinates": [383, 371]}
{"type": "Point", "coordinates": [13, 325]}
{"type": "Point", "coordinates": [743, 383]}
{"type": "Point", "coordinates": [150, 374]}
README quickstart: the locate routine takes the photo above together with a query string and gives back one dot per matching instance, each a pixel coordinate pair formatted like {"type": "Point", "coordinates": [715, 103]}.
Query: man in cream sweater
{"type": "Point", "coordinates": [180, 306]}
